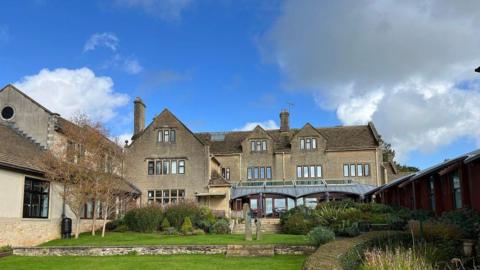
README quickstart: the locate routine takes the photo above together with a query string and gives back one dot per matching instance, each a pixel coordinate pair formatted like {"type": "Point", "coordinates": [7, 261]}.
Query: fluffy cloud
{"type": "Point", "coordinates": [269, 124]}
{"type": "Point", "coordinates": [107, 40]}
{"type": "Point", "coordinates": [406, 65]}
{"type": "Point", "coordinates": [168, 10]}
{"type": "Point", "coordinates": [70, 91]}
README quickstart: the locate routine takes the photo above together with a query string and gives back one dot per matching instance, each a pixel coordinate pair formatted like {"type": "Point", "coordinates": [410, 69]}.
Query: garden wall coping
{"type": "Point", "coordinates": [148, 250]}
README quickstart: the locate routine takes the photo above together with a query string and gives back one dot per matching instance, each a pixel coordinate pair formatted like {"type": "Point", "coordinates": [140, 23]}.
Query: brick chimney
{"type": "Point", "coordinates": [284, 121]}
{"type": "Point", "coordinates": [139, 116]}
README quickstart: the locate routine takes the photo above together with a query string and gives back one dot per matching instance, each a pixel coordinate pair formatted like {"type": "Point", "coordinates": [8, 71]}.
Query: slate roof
{"type": "Point", "coordinates": [338, 138]}
{"type": "Point", "coordinates": [18, 152]}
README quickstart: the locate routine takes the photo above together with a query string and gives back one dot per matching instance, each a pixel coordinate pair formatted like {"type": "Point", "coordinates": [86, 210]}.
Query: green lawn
{"type": "Point", "coordinates": [198, 262]}
{"type": "Point", "coordinates": [137, 239]}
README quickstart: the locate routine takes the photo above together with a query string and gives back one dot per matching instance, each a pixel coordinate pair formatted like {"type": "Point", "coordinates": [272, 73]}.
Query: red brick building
{"type": "Point", "coordinates": [452, 184]}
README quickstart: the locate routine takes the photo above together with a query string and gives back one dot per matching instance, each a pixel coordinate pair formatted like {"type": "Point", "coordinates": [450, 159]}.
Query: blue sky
{"type": "Point", "coordinates": [219, 65]}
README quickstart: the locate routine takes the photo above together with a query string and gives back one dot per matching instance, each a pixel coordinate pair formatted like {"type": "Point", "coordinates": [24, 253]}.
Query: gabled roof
{"type": "Point", "coordinates": [338, 139]}
{"type": "Point", "coordinates": [170, 114]}
{"type": "Point", "coordinates": [11, 86]}
{"type": "Point", "coordinates": [18, 152]}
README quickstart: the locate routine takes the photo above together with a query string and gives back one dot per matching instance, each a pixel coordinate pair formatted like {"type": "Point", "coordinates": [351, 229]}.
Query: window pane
{"type": "Point", "coordinates": [173, 193]}
{"type": "Point", "coordinates": [262, 172]}
{"type": "Point", "coordinates": [259, 146]}
{"type": "Point", "coordinates": [302, 144]}
{"type": "Point", "coordinates": [319, 171]}
{"type": "Point", "coordinates": [166, 166]}
{"type": "Point", "coordinates": [166, 193]}
{"type": "Point", "coordinates": [181, 193]}
{"type": "Point", "coordinates": [172, 135]}
{"type": "Point", "coordinates": [249, 173]}
{"type": "Point", "coordinates": [228, 174]}
{"type": "Point", "coordinates": [308, 144]}
{"type": "Point", "coordinates": [352, 169]}
{"type": "Point", "coordinates": [160, 135]}
{"type": "Point", "coordinates": [359, 170]}
{"type": "Point", "coordinates": [166, 137]}
{"type": "Point", "coordinates": [252, 145]}
{"type": "Point", "coordinates": [253, 204]}
{"type": "Point", "coordinates": [299, 171]}
{"type": "Point", "coordinates": [311, 202]}
{"type": "Point", "coordinates": [150, 194]}
{"type": "Point", "coordinates": [345, 170]}
{"type": "Point", "coordinates": [181, 166]}
{"type": "Point", "coordinates": [158, 169]}
{"type": "Point", "coordinates": [367, 170]}
{"type": "Point", "coordinates": [151, 166]}
{"type": "Point", "coordinates": [264, 145]}
{"type": "Point", "coordinates": [312, 171]}
{"type": "Point", "coordinates": [305, 171]}
{"type": "Point", "coordinates": [158, 193]}
{"type": "Point", "coordinates": [255, 172]}
{"type": "Point", "coordinates": [300, 201]}
{"type": "Point", "coordinates": [174, 167]}
{"type": "Point", "coordinates": [280, 204]}
{"type": "Point", "coordinates": [314, 143]}
{"type": "Point", "coordinates": [269, 172]}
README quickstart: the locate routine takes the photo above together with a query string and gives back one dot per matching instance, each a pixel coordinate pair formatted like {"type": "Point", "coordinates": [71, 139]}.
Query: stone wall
{"type": "Point", "coordinates": [32, 232]}
{"type": "Point", "coordinates": [147, 250]}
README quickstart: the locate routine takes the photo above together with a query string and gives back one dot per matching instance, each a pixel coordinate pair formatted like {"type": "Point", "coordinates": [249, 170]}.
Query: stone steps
{"type": "Point", "coordinates": [250, 250]}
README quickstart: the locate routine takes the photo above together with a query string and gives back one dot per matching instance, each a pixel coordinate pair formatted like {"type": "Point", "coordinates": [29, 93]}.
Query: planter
{"type": "Point", "coordinates": [468, 247]}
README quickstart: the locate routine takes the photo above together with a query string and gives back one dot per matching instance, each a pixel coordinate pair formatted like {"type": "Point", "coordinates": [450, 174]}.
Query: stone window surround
{"type": "Point", "coordinates": [165, 200]}
{"type": "Point", "coordinates": [257, 170]}
{"type": "Point", "coordinates": [355, 166]}
{"type": "Point", "coordinates": [258, 145]}
{"type": "Point", "coordinates": [162, 133]}
{"type": "Point", "coordinates": [152, 166]}
{"type": "Point", "coordinates": [308, 140]}
{"type": "Point", "coordinates": [317, 168]}
{"type": "Point", "coordinates": [14, 112]}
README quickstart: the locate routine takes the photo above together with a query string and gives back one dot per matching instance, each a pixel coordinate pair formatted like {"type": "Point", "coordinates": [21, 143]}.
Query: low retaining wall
{"type": "Point", "coordinates": [146, 250]}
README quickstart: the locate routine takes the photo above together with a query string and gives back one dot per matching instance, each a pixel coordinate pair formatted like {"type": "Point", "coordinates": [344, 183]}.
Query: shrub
{"type": "Point", "coordinates": [146, 219]}
{"type": "Point", "coordinates": [121, 228]}
{"type": "Point", "coordinates": [348, 229]}
{"type": "Point", "coordinates": [112, 225]}
{"type": "Point", "coordinates": [296, 224]}
{"type": "Point", "coordinates": [221, 226]}
{"type": "Point", "coordinates": [176, 213]}
{"type": "Point", "coordinates": [464, 219]}
{"type": "Point", "coordinates": [187, 226]}
{"type": "Point", "coordinates": [198, 232]}
{"type": "Point", "coordinates": [6, 249]}
{"type": "Point", "coordinates": [165, 224]}
{"type": "Point", "coordinates": [320, 235]}
{"type": "Point", "coordinates": [171, 231]}
{"type": "Point", "coordinates": [407, 259]}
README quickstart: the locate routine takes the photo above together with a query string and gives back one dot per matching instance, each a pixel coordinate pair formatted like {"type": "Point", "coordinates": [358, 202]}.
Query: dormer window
{"type": "Point", "coordinates": [308, 143]}
{"type": "Point", "coordinates": [166, 135]}
{"type": "Point", "coordinates": [258, 145]}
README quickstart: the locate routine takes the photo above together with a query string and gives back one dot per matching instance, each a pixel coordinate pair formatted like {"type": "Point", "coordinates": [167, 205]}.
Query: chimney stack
{"type": "Point", "coordinates": [139, 116]}
{"type": "Point", "coordinates": [284, 121]}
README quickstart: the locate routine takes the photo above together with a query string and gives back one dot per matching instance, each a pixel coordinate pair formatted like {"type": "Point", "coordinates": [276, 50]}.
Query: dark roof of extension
{"type": "Point", "coordinates": [338, 139]}
{"type": "Point", "coordinates": [18, 152]}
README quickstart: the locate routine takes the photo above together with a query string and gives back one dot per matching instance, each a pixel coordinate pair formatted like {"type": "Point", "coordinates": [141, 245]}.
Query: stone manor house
{"type": "Point", "coordinates": [272, 170]}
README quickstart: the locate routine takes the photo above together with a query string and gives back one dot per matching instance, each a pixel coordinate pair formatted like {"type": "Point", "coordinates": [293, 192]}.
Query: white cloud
{"type": "Point", "coordinates": [398, 63]}
{"type": "Point", "coordinates": [107, 40]}
{"type": "Point", "coordinates": [168, 10]}
{"type": "Point", "coordinates": [70, 91]}
{"type": "Point", "coordinates": [269, 124]}
{"type": "Point", "coordinates": [128, 64]}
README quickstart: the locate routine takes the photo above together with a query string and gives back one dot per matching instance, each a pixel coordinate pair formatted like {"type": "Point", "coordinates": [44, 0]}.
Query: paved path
{"type": "Point", "coordinates": [327, 256]}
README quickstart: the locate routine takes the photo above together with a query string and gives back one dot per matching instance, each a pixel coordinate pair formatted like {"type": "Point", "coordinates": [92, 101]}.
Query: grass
{"type": "Point", "coordinates": [148, 239]}
{"type": "Point", "coordinates": [198, 262]}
